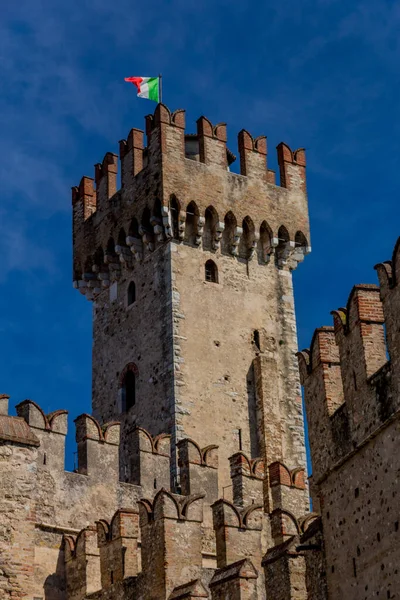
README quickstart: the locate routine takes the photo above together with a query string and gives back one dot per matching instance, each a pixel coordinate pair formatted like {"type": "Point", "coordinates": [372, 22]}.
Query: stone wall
{"type": "Point", "coordinates": [193, 343]}
{"type": "Point", "coordinates": [350, 376]}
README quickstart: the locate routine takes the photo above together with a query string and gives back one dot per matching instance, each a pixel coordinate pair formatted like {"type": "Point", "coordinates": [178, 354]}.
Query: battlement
{"type": "Point", "coordinates": [350, 387]}
{"type": "Point", "coordinates": [114, 228]}
{"type": "Point", "coordinates": [118, 544]}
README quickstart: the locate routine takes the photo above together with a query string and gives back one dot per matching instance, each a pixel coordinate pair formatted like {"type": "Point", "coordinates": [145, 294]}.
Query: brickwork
{"type": "Point", "coordinates": [351, 391]}
{"type": "Point", "coordinates": [190, 479]}
{"type": "Point", "coordinates": [178, 207]}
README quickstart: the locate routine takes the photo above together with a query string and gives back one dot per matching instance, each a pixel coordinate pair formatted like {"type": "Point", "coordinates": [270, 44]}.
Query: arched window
{"type": "Point", "coordinates": [211, 271]}
{"type": "Point", "coordinates": [192, 219]}
{"type": "Point", "coordinates": [128, 387]}
{"type": "Point", "coordinates": [129, 390]}
{"type": "Point", "coordinates": [131, 293]}
{"type": "Point", "coordinates": [228, 236]}
{"type": "Point", "coordinates": [174, 208]}
{"type": "Point", "coordinates": [211, 220]}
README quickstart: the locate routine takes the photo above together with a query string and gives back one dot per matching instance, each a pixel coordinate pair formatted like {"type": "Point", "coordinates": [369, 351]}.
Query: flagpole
{"type": "Point", "coordinates": [160, 87]}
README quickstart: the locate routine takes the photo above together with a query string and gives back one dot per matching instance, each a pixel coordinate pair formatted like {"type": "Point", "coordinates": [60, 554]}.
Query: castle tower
{"type": "Point", "coordinates": [189, 267]}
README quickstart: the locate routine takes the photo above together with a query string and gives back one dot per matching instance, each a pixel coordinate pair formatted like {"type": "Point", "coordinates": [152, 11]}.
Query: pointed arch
{"type": "Point", "coordinates": [211, 220]}
{"type": "Point", "coordinates": [247, 238]}
{"type": "Point", "coordinates": [128, 379]}
{"type": "Point", "coordinates": [192, 220]}
{"type": "Point", "coordinates": [264, 247]}
{"type": "Point", "coordinates": [300, 240]}
{"type": "Point", "coordinates": [122, 237]}
{"type": "Point", "coordinates": [98, 260]}
{"type": "Point", "coordinates": [228, 235]}
{"type": "Point", "coordinates": [133, 230]}
{"type": "Point", "coordinates": [145, 221]}
{"type": "Point", "coordinates": [157, 209]}
{"type": "Point", "coordinates": [174, 208]}
{"type": "Point", "coordinates": [283, 239]}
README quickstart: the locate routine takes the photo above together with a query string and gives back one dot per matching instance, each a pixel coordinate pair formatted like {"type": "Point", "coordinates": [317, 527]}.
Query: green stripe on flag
{"type": "Point", "coordinates": [153, 89]}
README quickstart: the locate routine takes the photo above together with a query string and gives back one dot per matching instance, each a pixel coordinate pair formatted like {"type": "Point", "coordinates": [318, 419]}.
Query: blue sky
{"type": "Point", "coordinates": [323, 74]}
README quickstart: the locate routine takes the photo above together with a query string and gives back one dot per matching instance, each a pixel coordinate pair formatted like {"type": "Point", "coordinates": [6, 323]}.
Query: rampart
{"type": "Point", "coordinates": [351, 382]}
{"type": "Point", "coordinates": [90, 535]}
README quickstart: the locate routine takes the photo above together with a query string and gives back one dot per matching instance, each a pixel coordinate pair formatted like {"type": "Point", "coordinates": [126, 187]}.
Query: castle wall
{"type": "Point", "coordinates": [351, 392]}
{"type": "Point", "coordinates": [361, 520]}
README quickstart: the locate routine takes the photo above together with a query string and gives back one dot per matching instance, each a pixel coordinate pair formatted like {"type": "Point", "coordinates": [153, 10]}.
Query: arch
{"type": "Point", "coordinates": [228, 235]}
{"type": "Point", "coordinates": [122, 237]}
{"type": "Point", "coordinates": [110, 246]}
{"type": "Point", "coordinates": [264, 243]}
{"type": "Point", "coordinates": [211, 220]}
{"type": "Point", "coordinates": [283, 239]}
{"type": "Point", "coordinates": [145, 221]}
{"type": "Point", "coordinates": [157, 209]}
{"type": "Point", "coordinates": [133, 230]}
{"type": "Point", "coordinates": [300, 240]}
{"type": "Point", "coordinates": [192, 221]}
{"type": "Point", "coordinates": [211, 272]}
{"type": "Point", "coordinates": [131, 293]}
{"type": "Point", "coordinates": [98, 260]}
{"type": "Point", "coordinates": [174, 208]}
{"type": "Point", "coordinates": [247, 238]}
{"type": "Point", "coordinates": [128, 386]}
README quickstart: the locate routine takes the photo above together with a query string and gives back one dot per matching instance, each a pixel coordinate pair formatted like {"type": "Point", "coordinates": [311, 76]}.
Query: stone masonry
{"type": "Point", "coordinates": [191, 477]}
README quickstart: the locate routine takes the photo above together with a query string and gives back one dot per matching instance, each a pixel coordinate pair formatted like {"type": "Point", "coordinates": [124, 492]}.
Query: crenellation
{"type": "Point", "coordinates": [247, 475]}
{"type": "Point", "coordinates": [171, 543]}
{"type": "Point", "coordinates": [253, 155]}
{"type": "Point", "coordinates": [82, 564]}
{"type": "Point", "coordinates": [118, 545]}
{"type": "Point", "coordinates": [131, 154]}
{"type": "Point", "coordinates": [238, 532]}
{"type": "Point", "coordinates": [150, 460]}
{"type": "Point", "coordinates": [237, 581]}
{"type": "Point", "coordinates": [98, 453]}
{"type": "Point", "coordinates": [106, 179]}
{"type": "Point", "coordinates": [351, 397]}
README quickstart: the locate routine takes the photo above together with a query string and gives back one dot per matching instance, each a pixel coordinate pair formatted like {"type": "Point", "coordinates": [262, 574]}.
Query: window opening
{"type": "Point", "coordinates": [211, 271]}
{"type": "Point", "coordinates": [256, 337]}
{"type": "Point", "coordinates": [131, 293]}
{"type": "Point", "coordinates": [130, 390]}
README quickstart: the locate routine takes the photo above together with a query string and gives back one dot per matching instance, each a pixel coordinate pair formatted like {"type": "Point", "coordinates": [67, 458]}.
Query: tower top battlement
{"type": "Point", "coordinates": [174, 186]}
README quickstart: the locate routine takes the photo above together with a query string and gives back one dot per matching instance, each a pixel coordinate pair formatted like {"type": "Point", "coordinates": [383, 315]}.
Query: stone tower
{"type": "Point", "coordinates": [189, 267]}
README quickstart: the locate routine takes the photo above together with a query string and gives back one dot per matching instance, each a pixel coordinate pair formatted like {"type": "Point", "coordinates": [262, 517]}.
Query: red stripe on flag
{"type": "Point", "coordinates": [136, 81]}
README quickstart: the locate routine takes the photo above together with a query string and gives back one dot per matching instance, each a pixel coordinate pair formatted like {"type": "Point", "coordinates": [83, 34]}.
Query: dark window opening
{"type": "Point", "coordinates": [155, 483]}
{"type": "Point", "coordinates": [131, 293]}
{"type": "Point", "coordinates": [175, 209]}
{"type": "Point", "coordinates": [256, 338]}
{"type": "Point", "coordinates": [44, 458]}
{"type": "Point", "coordinates": [211, 271]}
{"type": "Point", "coordinates": [129, 390]}
{"type": "Point", "coordinates": [112, 576]}
{"type": "Point", "coordinates": [240, 439]}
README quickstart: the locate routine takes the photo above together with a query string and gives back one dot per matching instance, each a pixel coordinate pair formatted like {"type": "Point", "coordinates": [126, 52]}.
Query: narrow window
{"type": "Point", "coordinates": [112, 577]}
{"type": "Point", "coordinates": [211, 271]}
{"type": "Point", "coordinates": [256, 337]}
{"type": "Point", "coordinates": [131, 293]}
{"type": "Point", "coordinates": [44, 458]}
{"type": "Point", "coordinates": [130, 390]}
{"type": "Point", "coordinates": [240, 439]}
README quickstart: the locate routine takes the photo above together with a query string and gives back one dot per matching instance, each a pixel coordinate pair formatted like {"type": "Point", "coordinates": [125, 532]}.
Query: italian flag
{"type": "Point", "coordinates": [148, 87]}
